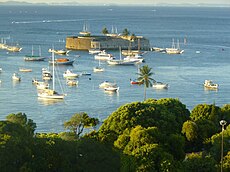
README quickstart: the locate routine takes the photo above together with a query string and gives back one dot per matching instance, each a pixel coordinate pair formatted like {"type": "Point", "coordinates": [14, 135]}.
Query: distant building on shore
{"type": "Point", "coordinates": [112, 42]}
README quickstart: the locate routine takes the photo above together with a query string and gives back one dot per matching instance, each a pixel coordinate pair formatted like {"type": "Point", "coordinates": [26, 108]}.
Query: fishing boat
{"type": "Point", "coordinates": [174, 49]}
{"type": "Point", "coordinates": [51, 93]}
{"type": "Point", "coordinates": [16, 77]}
{"type": "Point", "coordinates": [210, 85]}
{"type": "Point", "coordinates": [33, 57]}
{"type": "Point", "coordinates": [69, 74]}
{"type": "Point", "coordinates": [62, 61]}
{"type": "Point", "coordinates": [160, 85]}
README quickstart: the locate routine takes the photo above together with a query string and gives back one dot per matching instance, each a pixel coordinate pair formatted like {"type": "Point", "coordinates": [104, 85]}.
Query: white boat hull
{"type": "Point", "coordinates": [159, 85]}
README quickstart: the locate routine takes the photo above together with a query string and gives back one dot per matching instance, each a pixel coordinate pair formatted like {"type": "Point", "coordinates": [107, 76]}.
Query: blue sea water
{"type": "Point", "coordinates": [206, 30]}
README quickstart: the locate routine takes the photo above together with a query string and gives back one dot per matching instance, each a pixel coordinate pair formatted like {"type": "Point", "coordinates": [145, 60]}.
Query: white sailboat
{"type": "Point", "coordinates": [98, 68]}
{"type": "Point", "coordinates": [51, 93]}
{"type": "Point", "coordinates": [122, 61]}
{"type": "Point", "coordinates": [174, 49]}
{"type": "Point", "coordinates": [85, 30]}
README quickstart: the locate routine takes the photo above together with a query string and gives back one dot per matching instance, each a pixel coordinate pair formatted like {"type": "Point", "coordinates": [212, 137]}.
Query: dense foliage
{"type": "Point", "coordinates": [154, 135]}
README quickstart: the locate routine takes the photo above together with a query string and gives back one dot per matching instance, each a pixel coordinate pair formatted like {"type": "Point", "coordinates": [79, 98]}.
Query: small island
{"type": "Point", "coordinates": [111, 41]}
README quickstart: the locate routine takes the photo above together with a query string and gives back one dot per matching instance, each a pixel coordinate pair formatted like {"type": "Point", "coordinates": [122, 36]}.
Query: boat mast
{"type": "Point", "coordinates": [120, 52]}
{"type": "Point", "coordinates": [40, 53]}
{"type": "Point", "coordinates": [53, 70]}
{"type": "Point", "coordinates": [178, 44]}
{"type": "Point", "coordinates": [173, 44]}
{"type": "Point", "coordinates": [32, 50]}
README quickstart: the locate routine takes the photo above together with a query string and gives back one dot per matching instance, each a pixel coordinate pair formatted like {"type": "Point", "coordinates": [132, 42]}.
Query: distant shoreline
{"type": "Point", "coordinates": [20, 3]}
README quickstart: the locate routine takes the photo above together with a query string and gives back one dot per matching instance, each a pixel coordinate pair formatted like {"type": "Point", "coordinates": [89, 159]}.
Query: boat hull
{"type": "Point", "coordinates": [62, 63]}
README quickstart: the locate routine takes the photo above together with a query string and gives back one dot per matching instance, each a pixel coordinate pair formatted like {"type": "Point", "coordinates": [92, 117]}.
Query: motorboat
{"type": "Point", "coordinates": [107, 84]}
{"type": "Point", "coordinates": [46, 74]}
{"type": "Point", "coordinates": [16, 77]}
{"type": "Point", "coordinates": [69, 74]}
{"type": "Point", "coordinates": [94, 51]}
{"type": "Point", "coordinates": [42, 85]}
{"type": "Point", "coordinates": [84, 73]}
{"type": "Point", "coordinates": [210, 85]}
{"type": "Point", "coordinates": [71, 82]}
{"type": "Point", "coordinates": [103, 55]}
{"type": "Point", "coordinates": [25, 70]}
{"type": "Point", "coordinates": [160, 85]}
{"type": "Point", "coordinates": [111, 88]}
{"type": "Point", "coordinates": [157, 49]}
{"type": "Point", "coordinates": [62, 61]}
{"type": "Point", "coordinates": [135, 81]}
{"type": "Point", "coordinates": [14, 48]}
{"type": "Point", "coordinates": [131, 52]}
{"type": "Point", "coordinates": [136, 58]}
{"type": "Point", "coordinates": [122, 62]}
{"type": "Point", "coordinates": [98, 69]}
{"type": "Point", "coordinates": [60, 52]}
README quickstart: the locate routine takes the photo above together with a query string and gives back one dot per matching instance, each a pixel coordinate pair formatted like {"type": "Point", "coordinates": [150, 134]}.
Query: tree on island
{"type": "Point", "coordinates": [79, 121]}
{"type": "Point", "coordinates": [125, 32]}
{"type": "Point", "coordinates": [145, 77]}
{"type": "Point", "coordinates": [105, 31]}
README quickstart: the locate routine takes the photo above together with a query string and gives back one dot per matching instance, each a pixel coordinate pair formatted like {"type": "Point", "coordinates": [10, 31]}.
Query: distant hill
{"type": "Point", "coordinates": [22, 3]}
{"type": "Point", "coordinates": [74, 3]}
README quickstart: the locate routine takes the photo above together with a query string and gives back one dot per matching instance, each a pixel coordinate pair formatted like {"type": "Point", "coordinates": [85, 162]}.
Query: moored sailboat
{"type": "Point", "coordinates": [33, 57]}
{"type": "Point", "coordinates": [51, 93]}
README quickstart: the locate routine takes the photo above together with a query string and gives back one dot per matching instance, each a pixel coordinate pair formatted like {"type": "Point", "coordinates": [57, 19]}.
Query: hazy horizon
{"type": "Point", "coordinates": [133, 2]}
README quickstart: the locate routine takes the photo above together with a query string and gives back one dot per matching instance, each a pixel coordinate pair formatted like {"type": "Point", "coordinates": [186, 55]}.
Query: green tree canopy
{"type": "Point", "coordinates": [199, 162]}
{"type": "Point", "coordinates": [79, 121]}
{"type": "Point", "coordinates": [125, 32]}
{"type": "Point", "coordinates": [208, 112]}
{"type": "Point", "coordinates": [15, 146]}
{"type": "Point", "coordinates": [105, 31]}
{"type": "Point", "coordinates": [226, 113]}
{"type": "Point", "coordinates": [21, 119]}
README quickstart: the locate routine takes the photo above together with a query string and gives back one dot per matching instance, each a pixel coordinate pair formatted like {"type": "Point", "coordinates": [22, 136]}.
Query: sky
{"type": "Point", "coordinates": [131, 1]}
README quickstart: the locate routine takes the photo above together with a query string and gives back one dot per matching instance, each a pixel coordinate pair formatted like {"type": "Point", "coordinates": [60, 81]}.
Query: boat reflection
{"type": "Point", "coordinates": [210, 89]}
{"type": "Point", "coordinates": [112, 93]}
{"type": "Point", "coordinates": [48, 102]}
